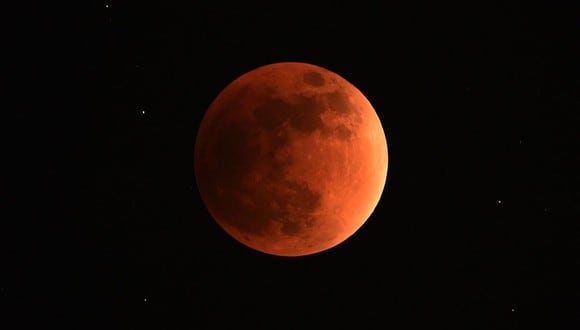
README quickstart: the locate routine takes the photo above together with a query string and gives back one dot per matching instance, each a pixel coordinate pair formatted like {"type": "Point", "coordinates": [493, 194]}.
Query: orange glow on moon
{"type": "Point", "coordinates": [290, 159]}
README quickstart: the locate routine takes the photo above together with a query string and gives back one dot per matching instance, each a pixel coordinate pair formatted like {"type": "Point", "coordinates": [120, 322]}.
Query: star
{"type": "Point", "coordinates": [499, 201]}
{"type": "Point", "coordinates": [513, 310]}
{"type": "Point", "coordinates": [145, 299]}
{"type": "Point", "coordinates": [106, 6]}
{"type": "Point", "coordinates": [143, 111]}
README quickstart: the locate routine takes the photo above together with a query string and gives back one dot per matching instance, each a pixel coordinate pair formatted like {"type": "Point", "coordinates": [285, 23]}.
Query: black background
{"type": "Point", "coordinates": [479, 103]}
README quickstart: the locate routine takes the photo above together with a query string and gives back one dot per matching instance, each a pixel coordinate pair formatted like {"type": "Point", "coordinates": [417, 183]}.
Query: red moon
{"type": "Point", "coordinates": [290, 159]}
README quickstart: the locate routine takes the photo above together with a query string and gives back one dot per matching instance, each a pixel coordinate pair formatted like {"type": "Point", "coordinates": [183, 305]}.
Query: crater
{"type": "Point", "coordinates": [339, 102]}
{"type": "Point", "coordinates": [342, 132]}
{"type": "Point", "coordinates": [313, 78]}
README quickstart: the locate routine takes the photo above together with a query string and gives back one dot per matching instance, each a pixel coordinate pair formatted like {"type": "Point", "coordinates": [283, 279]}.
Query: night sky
{"type": "Point", "coordinates": [478, 226]}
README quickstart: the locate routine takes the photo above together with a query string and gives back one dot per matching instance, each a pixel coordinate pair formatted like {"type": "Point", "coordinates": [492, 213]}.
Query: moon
{"type": "Point", "coordinates": [290, 159]}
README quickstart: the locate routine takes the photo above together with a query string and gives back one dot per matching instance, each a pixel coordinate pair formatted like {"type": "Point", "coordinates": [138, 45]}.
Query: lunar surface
{"type": "Point", "coordinates": [290, 159]}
